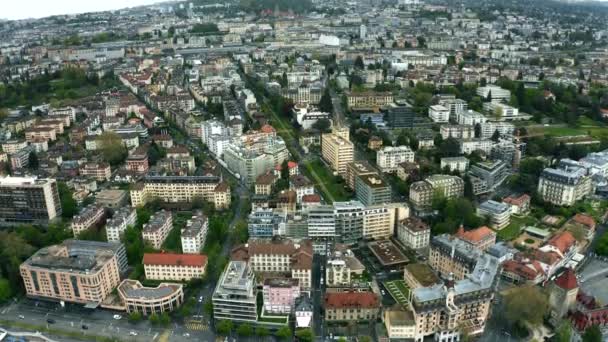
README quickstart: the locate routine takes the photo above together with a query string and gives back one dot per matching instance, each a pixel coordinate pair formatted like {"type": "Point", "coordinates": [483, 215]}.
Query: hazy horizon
{"type": "Point", "coordinates": [26, 9]}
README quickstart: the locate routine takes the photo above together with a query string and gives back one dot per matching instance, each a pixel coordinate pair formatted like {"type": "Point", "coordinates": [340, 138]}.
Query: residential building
{"type": "Point", "coordinates": [494, 93]}
{"type": "Point", "coordinates": [194, 234]}
{"type": "Point", "coordinates": [368, 100]}
{"type": "Point", "coordinates": [82, 272]}
{"type": "Point", "coordinates": [455, 106]}
{"type": "Point", "coordinates": [439, 113]}
{"type": "Point", "coordinates": [520, 205]}
{"type": "Point", "coordinates": [182, 189]}
{"type": "Point", "coordinates": [422, 192]}
{"type": "Point", "coordinates": [457, 131]}
{"type": "Point", "coordinates": [158, 228]}
{"type": "Point", "coordinates": [337, 273]}
{"type": "Point", "coordinates": [264, 183]}
{"type": "Point", "coordinates": [98, 171]}
{"type": "Point", "coordinates": [178, 267]}
{"type": "Point", "coordinates": [303, 311]}
{"type": "Point", "coordinates": [166, 297]}
{"type": "Point", "coordinates": [501, 111]}
{"type": "Point", "coordinates": [112, 198]}
{"type": "Point", "coordinates": [248, 163]}
{"type": "Point", "coordinates": [460, 164]}
{"type": "Point", "coordinates": [498, 213]}
{"type": "Point", "coordinates": [379, 221]}
{"type": "Point", "coordinates": [280, 295]}
{"type": "Point", "coordinates": [388, 158]}
{"type": "Point", "coordinates": [452, 257]}
{"type": "Point", "coordinates": [472, 145]}
{"type": "Point", "coordinates": [351, 306]}
{"type": "Point", "coordinates": [470, 118]}
{"type": "Point", "coordinates": [302, 186]}
{"type": "Point", "coordinates": [490, 174]}
{"type": "Point", "coordinates": [28, 200]}
{"type": "Point", "coordinates": [337, 152]}
{"type": "Point", "coordinates": [481, 238]}
{"type": "Point", "coordinates": [356, 169]}
{"type": "Point", "coordinates": [88, 217]}
{"type": "Point", "coordinates": [488, 129]}
{"type": "Point", "coordinates": [564, 185]}
{"type": "Point", "coordinates": [414, 233]}
{"type": "Point", "coordinates": [235, 296]}
{"type": "Point", "coordinates": [116, 226]}
{"type": "Point", "coordinates": [138, 162]}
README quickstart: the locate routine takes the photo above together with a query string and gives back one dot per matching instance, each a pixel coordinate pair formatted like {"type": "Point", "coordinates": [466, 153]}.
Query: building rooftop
{"type": "Point", "coordinates": [387, 253]}
{"type": "Point", "coordinates": [423, 273]}
{"type": "Point", "coordinates": [133, 289]}
{"type": "Point", "coordinates": [341, 300]}
{"type": "Point", "coordinates": [171, 259]}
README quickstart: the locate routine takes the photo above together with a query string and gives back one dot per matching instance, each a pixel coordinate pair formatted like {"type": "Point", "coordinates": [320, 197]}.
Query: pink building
{"type": "Point", "coordinates": [280, 294]}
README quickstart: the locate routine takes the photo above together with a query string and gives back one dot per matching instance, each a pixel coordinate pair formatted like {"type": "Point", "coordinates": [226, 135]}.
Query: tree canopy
{"type": "Point", "coordinates": [526, 305]}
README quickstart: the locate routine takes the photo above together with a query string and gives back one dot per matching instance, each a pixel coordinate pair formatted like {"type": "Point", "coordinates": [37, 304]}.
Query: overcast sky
{"type": "Point", "coordinates": [21, 9]}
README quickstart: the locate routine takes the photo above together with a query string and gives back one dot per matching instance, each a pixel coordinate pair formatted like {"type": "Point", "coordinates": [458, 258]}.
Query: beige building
{"type": "Point", "coordinates": [87, 218]}
{"type": "Point", "coordinates": [158, 228]}
{"type": "Point", "coordinates": [399, 323]}
{"type": "Point", "coordinates": [351, 306]}
{"type": "Point", "coordinates": [178, 267]}
{"type": "Point", "coordinates": [279, 258]}
{"type": "Point", "coordinates": [370, 99]}
{"type": "Point", "coordinates": [40, 133]}
{"type": "Point", "coordinates": [414, 233]}
{"type": "Point", "coordinates": [98, 171]}
{"type": "Point", "coordinates": [166, 297]}
{"type": "Point", "coordinates": [337, 152]}
{"type": "Point", "coordinates": [422, 192]}
{"type": "Point", "coordinates": [379, 221]}
{"type": "Point", "coordinates": [75, 271]}
{"type": "Point", "coordinates": [182, 189]}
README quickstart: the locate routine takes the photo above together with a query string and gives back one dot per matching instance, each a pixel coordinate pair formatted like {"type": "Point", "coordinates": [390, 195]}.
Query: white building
{"type": "Point", "coordinates": [564, 185]}
{"type": "Point", "coordinates": [439, 113]}
{"type": "Point", "coordinates": [115, 227]}
{"type": "Point", "coordinates": [414, 233]}
{"type": "Point", "coordinates": [469, 146]}
{"type": "Point", "coordinates": [388, 158]}
{"type": "Point", "coordinates": [497, 94]}
{"type": "Point", "coordinates": [460, 164]}
{"type": "Point", "coordinates": [488, 128]}
{"type": "Point", "coordinates": [499, 213]}
{"type": "Point", "coordinates": [194, 234]}
{"type": "Point", "coordinates": [470, 117]}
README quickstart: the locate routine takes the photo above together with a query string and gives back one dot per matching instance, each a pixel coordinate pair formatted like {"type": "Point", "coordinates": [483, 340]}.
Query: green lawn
{"type": "Point", "coordinates": [513, 230]}
{"type": "Point", "coordinates": [398, 290]}
{"type": "Point", "coordinates": [333, 188]}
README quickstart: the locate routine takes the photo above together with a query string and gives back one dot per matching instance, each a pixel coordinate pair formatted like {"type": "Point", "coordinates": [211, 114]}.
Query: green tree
{"type": "Point", "coordinates": [305, 335]}
{"type": "Point", "coordinates": [224, 327]}
{"type": "Point", "coordinates": [135, 317]}
{"type": "Point", "coordinates": [262, 331]}
{"type": "Point", "coordinates": [359, 63]}
{"type": "Point", "coordinates": [526, 304]}
{"type": "Point", "coordinates": [592, 334]}
{"type": "Point", "coordinates": [111, 147]}
{"type": "Point", "coordinates": [6, 291]}
{"type": "Point", "coordinates": [154, 319]}
{"type": "Point", "coordinates": [164, 319]}
{"type": "Point", "coordinates": [283, 333]}
{"type": "Point", "coordinates": [495, 136]}
{"type": "Point", "coordinates": [322, 125]}
{"type": "Point", "coordinates": [563, 332]}
{"type": "Point", "coordinates": [241, 232]}
{"type": "Point", "coordinates": [69, 207]}
{"type": "Point", "coordinates": [325, 104]}
{"type": "Point", "coordinates": [244, 330]}
{"type": "Point", "coordinates": [33, 161]}
{"type": "Point", "coordinates": [285, 170]}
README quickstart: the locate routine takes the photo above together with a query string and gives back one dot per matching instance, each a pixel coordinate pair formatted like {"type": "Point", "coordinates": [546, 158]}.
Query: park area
{"type": "Point", "coordinates": [398, 290]}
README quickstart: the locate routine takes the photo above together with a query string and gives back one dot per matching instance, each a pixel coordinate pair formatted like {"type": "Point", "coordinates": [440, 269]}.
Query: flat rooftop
{"type": "Point", "coordinates": [423, 273]}
{"type": "Point", "coordinates": [387, 253]}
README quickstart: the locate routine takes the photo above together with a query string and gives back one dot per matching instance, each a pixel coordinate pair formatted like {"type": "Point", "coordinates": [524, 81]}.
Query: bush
{"type": "Point", "coordinates": [529, 241]}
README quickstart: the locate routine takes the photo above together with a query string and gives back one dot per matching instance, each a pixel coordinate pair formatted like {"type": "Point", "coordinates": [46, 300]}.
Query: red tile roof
{"type": "Point", "coordinates": [314, 198]}
{"type": "Point", "coordinates": [562, 241]}
{"type": "Point", "coordinates": [585, 220]}
{"type": "Point", "coordinates": [361, 300]}
{"type": "Point", "coordinates": [475, 235]}
{"type": "Point", "coordinates": [528, 271]}
{"type": "Point", "coordinates": [175, 259]}
{"type": "Point", "coordinates": [517, 200]}
{"type": "Point", "coordinates": [567, 280]}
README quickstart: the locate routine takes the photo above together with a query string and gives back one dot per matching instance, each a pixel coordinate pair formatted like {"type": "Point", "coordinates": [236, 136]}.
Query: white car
{"type": "Point", "coordinates": [133, 333]}
{"type": "Point", "coordinates": [21, 317]}
{"type": "Point", "coordinates": [117, 317]}
{"type": "Point", "coordinates": [200, 299]}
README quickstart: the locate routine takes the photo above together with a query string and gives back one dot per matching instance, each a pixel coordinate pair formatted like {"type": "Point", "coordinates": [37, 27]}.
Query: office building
{"type": "Point", "coordinates": [28, 200]}
{"type": "Point", "coordinates": [116, 226]}
{"type": "Point", "coordinates": [280, 295]}
{"type": "Point", "coordinates": [73, 271]}
{"type": "Point", "coordinates": [498, 213]}
{"type": "Point", "coordinates": [380, 221]}
{"type": "Point", "coordinates": [351, 306]}
{"type": "Point", "coordinates": [454, 106]}
{"type": "Point", "coordinates": [414, 233]}
{"type": "Point", "coordinates": [372, 190]}
{"type": "Point", "coordinates": [264, 223]}
{"type": "Point", "coordinates": [457, 131]}
{"type": "Point", "coordinates": [249, 163]}
{"type": "Point", "coordinates": [235, 296]}
{"type": "Point", "coordinates": [388, 158]}
{"type": "Point", "coordinates": [402, 116]}
{"type": "Point", "coordinates": [177, 267]}
{"type": "Point", "coordinates": [194, 234]}
{"type": "Point", "coordinates": [337, 151]}
{"type": "Point", "coordinates": [470, 118]}
{"type": "Point", "coordinates": [321, 222]}
{"type": "Point", "coordinates": [451, 257]}
{"type": "Point", "coordinates": [368, 100]}
{"type": "Point", "coordinates": [158, 228]}
{"type": "Point", "coordinates": [439, 114]}
{"type": "Point", "coordinates": [494, 93]}
{"type": "Point", "coordinates": [356, 169]}
{"type": "Point", "coordinates": [490, 174]}
{"type": "Point", "coordinates": [349, 221]}
{"type": "Point", "coordinates": [166, 297]}
{"type": "Point", "coordinates": [488, 129]}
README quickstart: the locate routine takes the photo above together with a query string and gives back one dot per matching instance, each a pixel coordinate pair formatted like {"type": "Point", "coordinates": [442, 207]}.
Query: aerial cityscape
{"type": "Point", "coordinates": [305, 170]}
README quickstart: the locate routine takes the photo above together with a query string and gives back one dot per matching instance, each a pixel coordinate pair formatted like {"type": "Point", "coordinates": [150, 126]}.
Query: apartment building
{"type": "Point", "coordinates": [498, 213]}
{"type": "Point", "coordinates": [80, 272]}
{"type": "Point", "coordinates": [182, 189]}
{"type": "Point", "coordinates": [158, 228]}
{"type": "Point", "coordinates": [472, 145]}
{"type": "Point", "coordinates": [452, 257]}
{"type": "Point", "coordinates": [460, 164]}
{"type": "Point", "coordinates": [12, 146]}
{"type": "Point", "coordinates": [177, 267]}
{"type": "Point", "coordinates": [489, 174]}
{"type": "Point", "coordinates": [356, 169]}
{"type": "Point", "coordinates": [249, 163]}
{"type": "Point", "coordinates": [351, 306]}
{"type": "Point", "coordinates": [565, 185]}
{"type": "Point", "coordinates": [194, 234]}
{"type": "Point", "coordinates": [368, 99]}
{"type": "Point", "coordinates": [138, 162]}
{"type": "Point", "coordinates": [116, 226]}
{"type": "Point", "coordinates": [414, 233]}
{"type": "Point", "coordinates": [490, 127]}
{"type": "Point", "coordinates": [501, 111]}
{"type": "Point", "coordinates": [337, 273]}
{"type": "Point", "coordinates": [388, 158]}
{"type": "Point", "coordinates": [457, 131]}
{"type": "Point", "coordinates": [165, 297]}
{"type": "Point", "coordinates": [422, 192]}
{"type": "Point", "coordinates": [454, 106]}
{"type": "Point", "coordinates": [280, 257]}
{"type": "Point", "coordinates": [372, 190]}
{"type": "Point", "coordinates": [99, 171]}
{"type": "Point", "coordinates": [280, 295]}
{"type": "Point", "coordinates": [28, 200]}
{"type": "Point", "coordinates": [302, 186]}
{"type": "Point", "coordinates": [337, 151]}
{"type": "Point", "coordinates": [88, 217]}
{"type": "Point", "coordinates": [470, 118]}
{"type": "Point", "coordinates": [481, 238]}
{"type": "Point", "coordinates": [439, 114]}
{"type": "Point", "coordinates": [235, 296]}
{"type": "Point", "coordinates": [379, 221]}
{"type": "Point", "coordinates": [264, 184]}
{"type": "Point", "coordinates": [40, 133]}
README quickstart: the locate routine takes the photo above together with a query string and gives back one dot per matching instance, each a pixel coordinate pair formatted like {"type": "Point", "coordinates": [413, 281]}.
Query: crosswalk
{"type": "Point", "coordinates": [197, 326]}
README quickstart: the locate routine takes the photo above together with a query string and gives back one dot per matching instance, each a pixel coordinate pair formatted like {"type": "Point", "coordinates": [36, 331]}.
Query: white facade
{"type": "Point", "coordinates": [389, 158]}
{"type": "Point", "coordinates": [468, 146]}
{"type": "Point", "coordinates": [439, 113]}
{"type": "Point", "coordinates": [194, 234]}
{"type": "Point", "coordinates": [470, 118]}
